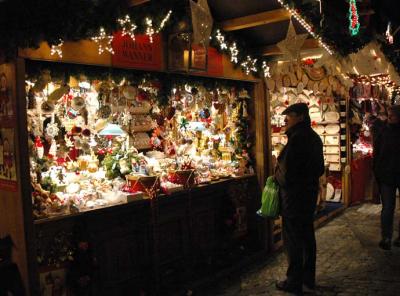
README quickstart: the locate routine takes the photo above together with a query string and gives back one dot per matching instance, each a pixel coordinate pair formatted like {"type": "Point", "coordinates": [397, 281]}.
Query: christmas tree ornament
{"type": "Point", "coordinates": [291, 45]}
{"type": "Point", "coordinates": [128, 27]}
{"type": "Point", "coordinates": [354, 25]}
{"type": "Point", "coordinates": [52, 128]}
{"type": "Point", "coordinates": [104, 41]}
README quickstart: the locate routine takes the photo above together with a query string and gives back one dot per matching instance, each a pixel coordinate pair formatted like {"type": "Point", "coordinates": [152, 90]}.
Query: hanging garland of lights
{"type": "Point", "coordinates": [354, 25]}
{"type": "Point", "coordinates": [306, 26]}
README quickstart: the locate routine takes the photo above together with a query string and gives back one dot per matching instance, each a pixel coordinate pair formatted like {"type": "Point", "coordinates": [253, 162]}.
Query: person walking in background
{"type": "Point", "coordinates": [386, 167]}
{"type": "Point", "coordinates": [299, 167]}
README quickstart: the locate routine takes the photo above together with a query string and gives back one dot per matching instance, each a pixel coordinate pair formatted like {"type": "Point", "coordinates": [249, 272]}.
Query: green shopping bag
{"type": "Point", "coordinates": [270, 199]}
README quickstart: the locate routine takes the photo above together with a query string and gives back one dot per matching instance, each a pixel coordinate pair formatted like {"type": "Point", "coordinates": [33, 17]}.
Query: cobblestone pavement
{"type": "Point", "coordinates": [348, 263]}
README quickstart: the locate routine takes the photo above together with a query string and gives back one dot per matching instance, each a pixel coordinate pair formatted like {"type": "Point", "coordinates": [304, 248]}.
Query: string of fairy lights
{"type": "Point", "coordinates": [306, 26]}
{"type": "Point", "coordinates": [249, 64]}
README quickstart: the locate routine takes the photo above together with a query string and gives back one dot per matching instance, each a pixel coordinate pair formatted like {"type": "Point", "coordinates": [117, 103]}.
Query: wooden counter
{"type": "Point", "coordinates": [159, 245]}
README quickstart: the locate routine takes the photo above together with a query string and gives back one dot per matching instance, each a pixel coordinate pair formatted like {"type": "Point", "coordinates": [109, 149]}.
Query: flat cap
{"type": "Point", "coordinates": [298, 108]}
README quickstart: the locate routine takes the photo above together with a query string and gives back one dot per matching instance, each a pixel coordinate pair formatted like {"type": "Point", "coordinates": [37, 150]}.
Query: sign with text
{"type": "Point", "coordinates": [138, 54]}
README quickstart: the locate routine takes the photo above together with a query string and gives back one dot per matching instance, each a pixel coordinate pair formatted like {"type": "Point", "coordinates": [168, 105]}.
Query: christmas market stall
{"type": "Point", "coordinates": [374, 90]}
{"type": "Point", "coordinates": [135, 160]}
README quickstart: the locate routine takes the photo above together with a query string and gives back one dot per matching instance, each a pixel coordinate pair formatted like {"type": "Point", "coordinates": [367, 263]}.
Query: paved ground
{"type": "Point", "coordinates": [349, 262]}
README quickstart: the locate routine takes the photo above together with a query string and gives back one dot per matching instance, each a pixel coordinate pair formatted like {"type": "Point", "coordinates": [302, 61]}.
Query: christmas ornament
{"type": "Point", "coordinates": [234, 53]}
{"type": "Point", "coordinates": [52, 129]}
{"type": "Point", "coordinates": [202, 22]}
{"type": "Point", "coordinates": [266, 69]}
{"type": "Point", "coordinates": [249, 65]}
{"type": "Point", "coordinates": [291, 45]}
{"type": "Point", "coordinates": [56, 49]}
{"type": "Point", "coordinates": [149, 29]}
{"type": "Point", "coordinates": [354, 25]}
{"type": "Point", "coordinates": [39, 148]}
{"type": "Point", "coordinates": [221, 40]}
{"type": "Point", "coordinates": [128, 28]}
{"type": "Point", "coordinates": [53, 148]}
{"type": "Point", "coordinates": [104, 41]}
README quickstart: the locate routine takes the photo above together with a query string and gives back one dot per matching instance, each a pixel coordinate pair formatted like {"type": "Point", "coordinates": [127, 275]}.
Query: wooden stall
{"type": "Point", "coordinates": [165, 242]}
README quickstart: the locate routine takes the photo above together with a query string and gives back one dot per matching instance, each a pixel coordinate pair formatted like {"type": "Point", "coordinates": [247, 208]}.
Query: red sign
{"type": "Point", "coordinates": [139, 54]}
{"type": "Point", "coordinates": [215, 67]}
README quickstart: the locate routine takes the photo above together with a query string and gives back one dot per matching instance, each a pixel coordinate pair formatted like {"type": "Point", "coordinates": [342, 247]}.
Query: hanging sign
{"type": "Point", "coordinates": [139, 53]}
{"type": "Point", "coordinates": [354, 25]}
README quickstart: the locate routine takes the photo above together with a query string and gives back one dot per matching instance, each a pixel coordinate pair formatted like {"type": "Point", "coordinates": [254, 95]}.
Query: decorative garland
{"type": "Point", "coordinates": [354, 25]}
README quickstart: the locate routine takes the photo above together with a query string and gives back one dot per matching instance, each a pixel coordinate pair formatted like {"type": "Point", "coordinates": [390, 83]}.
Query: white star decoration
{"type": "Point", "coordinates": [292, 44]}
{"type": "Point", "coordinates": [128, 28]}
{"type": "Point", "coordinates": [104, 41]}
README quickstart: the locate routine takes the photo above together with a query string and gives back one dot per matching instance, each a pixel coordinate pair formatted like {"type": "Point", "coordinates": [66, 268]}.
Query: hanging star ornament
{"type": "Point", "coordinates": [291, 45]}
{"type": "Point", "coordinates": [202, 22]}
{"type": "Point", "coordinates": [128, 28]}
{"type": "Point", "coordinates": [104, 41]}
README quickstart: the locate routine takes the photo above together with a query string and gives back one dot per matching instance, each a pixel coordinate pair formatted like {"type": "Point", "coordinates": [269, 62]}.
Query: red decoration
{"type": "Point", "coordinates": [309, 62]}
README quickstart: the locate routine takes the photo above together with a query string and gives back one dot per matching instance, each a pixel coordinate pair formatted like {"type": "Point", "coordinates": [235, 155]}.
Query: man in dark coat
{"type": "Point", "coordinates": [386, 162]}
{"type": "Point", "coordinates": [299, 167]}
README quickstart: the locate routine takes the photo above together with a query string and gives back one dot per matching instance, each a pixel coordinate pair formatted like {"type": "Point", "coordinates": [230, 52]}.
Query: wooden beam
{"type": "Point", "coordinates": [254, 20]}
{"type": "Point", "coordinates": [136, 2]}
{"type": "Point", "coordinates": [271, 50]}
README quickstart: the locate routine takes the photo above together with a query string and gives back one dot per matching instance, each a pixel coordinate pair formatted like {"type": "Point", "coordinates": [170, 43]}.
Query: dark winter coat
{"type": "Point", "coordinates": [299, 167]}
{"type": "Point", "coordinates": [386, 140]}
